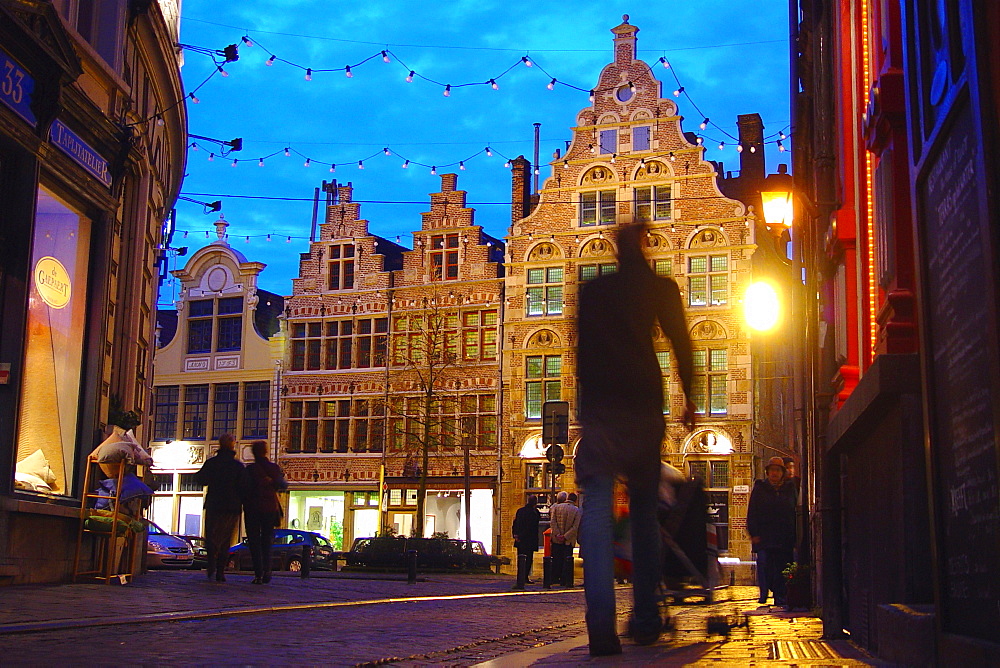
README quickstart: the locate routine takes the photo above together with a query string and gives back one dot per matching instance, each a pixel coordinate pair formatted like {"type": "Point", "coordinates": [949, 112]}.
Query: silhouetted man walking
{"type": "Point", "coordinates": [621, 412]}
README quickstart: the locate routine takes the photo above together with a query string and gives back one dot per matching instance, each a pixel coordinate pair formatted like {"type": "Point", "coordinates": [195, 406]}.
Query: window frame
{"type": "Point", "coordinates": [548, 294]}
{"type": "Point", "coordinates": [713, 281]}
{"type": "Point", "coordinates": [598, 207]}
{"type": "Point", "coordinates": [541, 385]}
{"type": "Point", "coordinates": [657, 204]}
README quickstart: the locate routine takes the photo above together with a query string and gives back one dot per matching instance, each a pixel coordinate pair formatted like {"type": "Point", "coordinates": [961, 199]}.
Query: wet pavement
{"type": "Point", "coordinates": [341, 619]}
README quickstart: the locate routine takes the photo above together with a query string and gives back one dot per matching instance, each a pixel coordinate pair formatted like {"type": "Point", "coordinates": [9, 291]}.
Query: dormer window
{"type": "Point", "coordinates": [218, 321]}
{"type": "Point", "coordinates": [340, 267]}
{"type": "Point", "coordinates": [444, 257]}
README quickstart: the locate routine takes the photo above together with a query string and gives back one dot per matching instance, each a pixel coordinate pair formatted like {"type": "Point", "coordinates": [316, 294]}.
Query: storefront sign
{"type": "Point", "coordinates": [77, 149]}
{"type": "Point", "coordinates": [52, 282]}
{"type": "Point", "coordinates": [741, 489]}
{"type": "Point", "coordinates": [16, 87]}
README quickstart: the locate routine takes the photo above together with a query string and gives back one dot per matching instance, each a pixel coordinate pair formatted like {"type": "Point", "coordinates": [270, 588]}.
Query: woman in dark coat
{"type": "Point", "coordinates": [771, 525]}
{"type": "Point", "coordinates": [261, 509]}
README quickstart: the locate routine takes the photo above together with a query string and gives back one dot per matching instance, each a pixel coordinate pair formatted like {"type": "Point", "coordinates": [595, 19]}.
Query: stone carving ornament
{"type": "Point", "coordinates": [652, 171]}
{"type": "Point", "coordinates": [597, 176]}
{"type": "Point", "coordinates": [596, 248]}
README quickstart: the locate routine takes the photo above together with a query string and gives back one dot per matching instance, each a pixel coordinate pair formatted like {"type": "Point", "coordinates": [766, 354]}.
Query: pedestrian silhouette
{"type": "Point", "coordinates": [262, 509]}
{"type": "Point", "coordinates": [223, 475]}
{"type": "Point", "coordinates": [621, 413]}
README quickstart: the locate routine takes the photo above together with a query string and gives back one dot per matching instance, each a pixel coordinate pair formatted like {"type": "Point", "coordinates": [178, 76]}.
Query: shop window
{"type": "Point", "coordinates": [545, 291]}
{"type": "Point", "coordinates": [640, 137]}
{"type": "Point", "coordinates": [534, 476]}
{"type": "Point", "coordinates": [340, 267]}
{"type": "Point", "coordinates": [444, 257]}
{"type": "Point", "coordinates": [591, 271]}
{"type": "Point", "coordinates": [479, 336]}
{"type": "Point", "coordinates": [608, 142]}
{"type": "Point", "coordinates": [708, 280]}
{"type": "Point", "coordinates": [652, 202]}
{"type": "Point", "coordinates": [165, 421]}
{"type": "Point", "coordinates": [711, 374]}
{"type": "Point", "coordinates": [597, 207]}
{"type": "Point", "coordinates": [195, 412]}
{"type": "Point", "coordinates": [542, 383]}
{"type": "Point", "coordinates": [256, 407]}
{"type": "Point", "coordinates": [225, 404]}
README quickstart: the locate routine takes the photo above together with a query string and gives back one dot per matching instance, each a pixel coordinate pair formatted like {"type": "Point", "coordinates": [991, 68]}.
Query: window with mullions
{"type": "Point", "coordinates": [542, 383]}
{"type": "Point", "coordinates": [256, 400]}
{"type": "Point", "coordinates": [225, 404]}
{"type": "Point", "coordinates": [470, 419]}
{"type": "Point", "coordinates": [444, 257]}
{"type": "Point", "coordinates": [545, 291]}
{"type": "Point", "coordinates": [711, 373]}
{"type": "Point", "coordinates": [664, 268]}
{"type": "Point", "coordinates": [230, 319]}
{"type": "Point", "coordinates": [591, 271]}
{"type": "Point", "coordinates": [663, 358]}
{"type": "Point", "coordinates": [418, 338]}
{"type": "Point", "coordinates": [200, 324]}
{"type": "Point", "coordinates": [195, 412]}
{"type": "Point", "coordinates": [223, 317]}
{"type": "Point", "coordinates": [653, 202]}
{"type": "Point", "coordinates": [303, 426]}
{"type": "Point", "coordinates": [368, 426]}
{"type": "Point", "coordinates": [165, 422]}
{"type": "Point", "coordinates": [479, 336]}
{"type": "Point", "coordinates": [336, 426]}
{"type": "Point", "coordinates": [715, 476]}
{"type": "Point", "coordinates": [597, 207]}
{"type": "Point", "coordinates": [340, 267]}
{"type": "Point", "coordinates": [708, 280]}
{"type": "Point", "coordinates": [307, 341]}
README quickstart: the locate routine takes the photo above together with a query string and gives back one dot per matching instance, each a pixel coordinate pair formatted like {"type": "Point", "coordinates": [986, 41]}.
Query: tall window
{"type": "Point", "coordinates": [195, 412]}
{"type": "Point", "coordinates": [663, 358]}
{"type": "Point", "coordinates": [444, 257]}
{"type": "Point", "coordinates": [340, 267]}
{"type": "Point", "coordinates": [597, 207]}
{"type": "Point", "coordinates": [225, 405]}
{"type": "Point", "coordinates": [479, 335]}
{"type": "Point", "coordinates": [303, 426]}
{"type": "Point", "coordinates": [711, 368]}
{"type": "Point", "coordinates": [307, 342]}
{"type": "Point", "coordinates": [652, 202]}
{"type": "Point", "coordinates": [542, 383]}
{"type": "Point", "coordinates": [609, 142]}
{"type": "Point", "coordinates": [715, 475]}
{"type": "Point", "coordinates": [640, 138]}
{"type": "Point", "coordinates": [590, 271]}
{"type": "Point", "coordinates": [336, 425]}
{"type": "Point", "coordinates": [545, 291]}
{"type": "Point", "coordinates": [256, 400]}
{"type": "Point", "coordinates": [708, 280]}
{"type": "Point", "coordinates": [368, 433]}
{"type": "Point", "coordinates": [222, 318]}
{"type": "Point", "coordinates": [165, 425]}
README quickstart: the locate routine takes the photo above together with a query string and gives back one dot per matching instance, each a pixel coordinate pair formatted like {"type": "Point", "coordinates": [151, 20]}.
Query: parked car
{"type": "Point", "coordinates": [200, 551]}
{"type": "Point", "coordinates": [164, 550]}
{"type": "Point", "coordinates": [286, 554]}
{"type": "Point", "coordinates": [435, 553]}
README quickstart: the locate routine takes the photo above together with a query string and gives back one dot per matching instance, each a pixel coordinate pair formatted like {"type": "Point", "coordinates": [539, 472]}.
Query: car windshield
{"type": "Point", "coordinates": [321, 541]}
{"type": "Point", "coordinates": [154, 530]}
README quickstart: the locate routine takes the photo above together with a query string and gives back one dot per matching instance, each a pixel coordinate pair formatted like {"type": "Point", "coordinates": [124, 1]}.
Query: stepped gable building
{"type": "Point", "coordinates": [629, 158]}
{"type": "Point", "coordinates": [393, 374]}
{"type": "Point", "coordinates": [215, 369]}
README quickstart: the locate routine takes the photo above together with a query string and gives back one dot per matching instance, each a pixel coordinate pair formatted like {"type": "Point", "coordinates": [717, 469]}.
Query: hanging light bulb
{"type": "Point", "coordinates": [781, 147]}
{"type": "Point", "coordinates": [333, 167]}
{"type": "Point", "coordinates": [385, 57]}
{"type": "Point", "coordinates": [526, 61]}
{"type": "Point", "coordinates": [493, 83]}
{"type": "Point", "coordinates": [642, 162]}
{"type": "Point", "coordinates": [593, 149]}
{"type": "Point", "coordinates": [409, 77]}
{"type": "Point", "coordinates": [406, 164]}
{"type": "Point", "coordinates": [613, 156]}
{"type": "Point", "coordinates": [447, 90]}
{"type": "Point", "coordinates": [347, 72]}
{"type": "Point", "coordinates": [507, 164]}
{"type": "Point", "coordinates": [307, 162]}
{"type": "Point", "coordinates": [704, 123]}
{"type": "Point", "coordinates": [565, 164]}
{"type": "Point", "coordinates": [591, 96]}
{"type": "Point", "coordinates": [739, 148]}
{"type": "Point", "coordinates": [288, 240]}
{"type": "Point", "coordinates": [673, 158]}
{"type": "Point", "coordinates": [387, 151]}
{"type": "Point", "coordinates": [753, 149]}
{"type": "Point", "coordinates": [361, 164]}
{"type": "Point", "coordinates": [309, 74]}
{"type": "Point", "coordinates": [722, 145]}
{"type": "Point", "coordinates": [536, 171]}
{"type": "Point", "coordinates": [269, 237]}
{"type": "Point", "coordinates": [185, 234]}
{"type": "Point", "coordinates": [700, 140]}
{"type": "Point", "coordinates": [781, 134]}
{"type": "Point", "coordinates": [211, 157]}
{"type": "Point", "coordinates": [222, 71]}
{"type": "Point", "coordinates": [270, 61]}
{"type": "Point", "coordinates": [206, 234]}
{"type": "Point", "coordinates": [489, 152]}
{"type": "Point", "coordinates": [677, 93]}
{"type": "Point", "coordinates": [461, 165]}
{"type": "Point", "coordinates": [159, 121]}
{"type": "Point", "coordinates": [194, 146]}
{"type": "Point", "coordinates": [234, 162]}
{"type": "Point", "coordinates": [260, 162]}
{"type": "Point", "coordinates": [288, 151]}
{"type": "Point", "coordinates": [665, 63]}
{"type": "Point", "coordinates": [551, 84]}
{"type": "Point", "coordinates": [194, 98]}
{"type": "Point", "coordinates": [631, 87]}
{"type": "Point", "coordinates": [248, 239]}
{"type": "Point", "coordinates": [246, 40]}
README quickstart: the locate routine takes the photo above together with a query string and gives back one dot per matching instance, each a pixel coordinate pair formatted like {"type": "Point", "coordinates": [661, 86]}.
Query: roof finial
{"type": "Point", "coordinates": [624, 18]}
{"type": "Point", "coordinates": [220, 227]}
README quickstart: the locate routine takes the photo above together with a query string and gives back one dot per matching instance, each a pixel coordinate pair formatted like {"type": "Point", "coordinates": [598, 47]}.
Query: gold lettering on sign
{"type": "Point", "coordinates": [52, 282]}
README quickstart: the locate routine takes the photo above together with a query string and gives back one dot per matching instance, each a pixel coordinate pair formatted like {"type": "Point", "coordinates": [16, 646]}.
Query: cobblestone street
{"type": "Point", "coordinates": [336, 619]}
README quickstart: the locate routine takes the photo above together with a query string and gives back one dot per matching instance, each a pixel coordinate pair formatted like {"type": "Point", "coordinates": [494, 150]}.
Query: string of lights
{"type": "Point", "coordinates": [388, 56]}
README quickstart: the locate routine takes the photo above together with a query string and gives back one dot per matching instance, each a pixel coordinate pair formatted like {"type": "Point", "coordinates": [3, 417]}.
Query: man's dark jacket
{"type": "Point", "coordinates": [525, 528]}
{"type": "Point", "coordinates": [771, 515]}
{"type": "Point", "coordinates": [224, 477]}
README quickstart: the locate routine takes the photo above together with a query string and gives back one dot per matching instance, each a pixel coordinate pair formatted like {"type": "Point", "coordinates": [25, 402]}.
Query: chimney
{"type": "Point", "coordinates": [449, 182]}
{"type": "Point", "coordinates": [520, 188]}
{"type": "Point", "coordinates": [344, 193]}
{"type": "Point", "coordinates": [751, 129]}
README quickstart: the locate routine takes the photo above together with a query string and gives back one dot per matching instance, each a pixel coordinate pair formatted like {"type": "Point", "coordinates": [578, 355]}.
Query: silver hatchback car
{"type": "Point", "coordinates": [164, 550]}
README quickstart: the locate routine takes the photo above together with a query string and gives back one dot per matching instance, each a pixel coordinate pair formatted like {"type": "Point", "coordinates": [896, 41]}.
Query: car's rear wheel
{"type": "Point", "coordinates": [295, 564]}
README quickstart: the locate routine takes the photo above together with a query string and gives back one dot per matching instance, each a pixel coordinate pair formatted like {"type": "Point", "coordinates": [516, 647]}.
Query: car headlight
{"type": "Point", "coordinates": [157, 548]}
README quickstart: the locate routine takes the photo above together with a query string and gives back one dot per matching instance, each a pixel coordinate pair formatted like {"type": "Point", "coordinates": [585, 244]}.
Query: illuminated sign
{"type": "Point", "coordinates": [52, 282]}
{"type": "Point", "coordinates": [76, 148]}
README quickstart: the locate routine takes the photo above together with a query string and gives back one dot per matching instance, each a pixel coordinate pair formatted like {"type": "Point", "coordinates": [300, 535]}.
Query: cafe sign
{"type": "Point", "coordinates": [52, 282]}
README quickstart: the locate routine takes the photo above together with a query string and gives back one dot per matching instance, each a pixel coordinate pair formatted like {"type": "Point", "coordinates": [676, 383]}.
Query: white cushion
{"type": "Point", "coordinates": [37, 465]}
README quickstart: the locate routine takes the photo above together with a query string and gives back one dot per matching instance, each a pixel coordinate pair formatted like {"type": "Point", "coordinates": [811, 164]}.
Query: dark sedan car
{"type": "Point", "coordinates": [286, 554]}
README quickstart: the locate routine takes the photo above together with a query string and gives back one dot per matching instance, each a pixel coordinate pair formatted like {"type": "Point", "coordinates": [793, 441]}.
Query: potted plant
{"type": "Point", "coordinates": [798, 586]}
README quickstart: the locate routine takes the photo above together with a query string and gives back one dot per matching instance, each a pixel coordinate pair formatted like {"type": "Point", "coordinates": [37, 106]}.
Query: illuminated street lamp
{"type": "Point", "coordinates": [776, 199]}
{"type": "Point", "coordinates": [762, 308]}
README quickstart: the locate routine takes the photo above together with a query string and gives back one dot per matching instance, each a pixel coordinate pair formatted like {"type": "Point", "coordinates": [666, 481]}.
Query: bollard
{"type": "Point", "coordinates": [411, 567]}
{"type": "Point", "coordinates": [567, 571]}
{"type": "Point", "coordinates": [546, 572]}
{"type": "Point", "coordinates": [522, 571]}
{"type": "Point", "coordinates": [306, 561]}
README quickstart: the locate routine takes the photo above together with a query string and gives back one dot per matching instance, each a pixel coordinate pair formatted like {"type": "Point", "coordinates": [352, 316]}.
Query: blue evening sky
{"type": "Point", "coordinates": [731, 56]}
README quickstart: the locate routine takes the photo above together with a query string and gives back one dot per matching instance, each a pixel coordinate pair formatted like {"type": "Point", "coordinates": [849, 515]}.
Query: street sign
{"type": "Point", "coordinates": [555, 422]}
{"type": "Point", "coordinates": [554, 453]}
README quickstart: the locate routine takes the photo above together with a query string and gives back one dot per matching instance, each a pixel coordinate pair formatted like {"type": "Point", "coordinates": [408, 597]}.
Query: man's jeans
{"type": "Point", "coordinates": [596, 547]}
